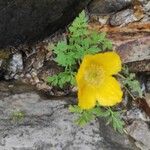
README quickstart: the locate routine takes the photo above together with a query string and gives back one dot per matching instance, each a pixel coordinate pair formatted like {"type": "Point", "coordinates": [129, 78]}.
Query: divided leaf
{"type": "Point", "coordinates": [86, 116]}
{"type": "Point", "coordinates": [131, 82]}
{"type": "Point", "coordinates": [62, 79]}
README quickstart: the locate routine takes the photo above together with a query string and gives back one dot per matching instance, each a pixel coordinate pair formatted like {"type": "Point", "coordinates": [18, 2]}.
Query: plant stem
{"type": "Point", "coordinates": [123, 77]}
{"type": "Point", "coordinates": [129, 93]}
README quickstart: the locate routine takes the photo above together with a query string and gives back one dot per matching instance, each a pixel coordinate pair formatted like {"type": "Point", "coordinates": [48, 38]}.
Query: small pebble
{"type": "Point", "coordinates": [11, 86]}
{"type": "Point", "coordinates": [16, 77]}
{"type": "Point", "coordinates": [36, 79]}
{"type": "Point", "coordinates": [103, 20]}
{"type": "Point", "coordinates": [28, 76]}
{"type": "Point", "coordinates": [74, 89]}
{"type": "Point", "coordinates": [22, 75]}
{"type": "Point", "coordinates": [43, 86]}
{"type": "Point", "coordinates": [33, 74]}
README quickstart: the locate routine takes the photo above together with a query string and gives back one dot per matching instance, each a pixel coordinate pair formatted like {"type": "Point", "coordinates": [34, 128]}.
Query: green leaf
{"type": "Point", "coordinates": [61, 79]}
{"type": "Point", "coordinates": [61, 46]}
{"type": "Point", "coordinates": [86, 116]}
{"type": "Point", "coordinates": [116, 120]}
{"type": "Point", "coordinates": [100, 113]}
{"type": "Point", "coordinates": [75, 109]}
{"type": "Point", "coordinates": [81, 121]}
{"type": "Point", "coordinates": [131, 82]}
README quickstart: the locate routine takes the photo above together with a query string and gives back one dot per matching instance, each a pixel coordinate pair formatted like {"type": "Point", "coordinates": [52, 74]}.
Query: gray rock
{"type": "Point", "coordinates": [14, 66]}
{"type": "Point", "coordinates": [140, 131]}
{"type": "Point", "coordinates": [136, 114]}
{"type": "Point", "coordinates": [135, 49]}
{"type": "Point", "coordinates": [146, 7]}
{"type": "Point", "coordinates": [123, 17]}
{"type": "Point", "coordinates": [143, 1]}
{"type": "Point", "coordinates": [28, 21]}
{"type": "Point", "coordinates": [48, 125]}
{"type": "Point", "coordinates": [107, 6]}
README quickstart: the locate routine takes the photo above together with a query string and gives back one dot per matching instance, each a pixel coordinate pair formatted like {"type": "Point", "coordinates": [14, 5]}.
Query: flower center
{"type": "Point", "coordinates": [94, 74]}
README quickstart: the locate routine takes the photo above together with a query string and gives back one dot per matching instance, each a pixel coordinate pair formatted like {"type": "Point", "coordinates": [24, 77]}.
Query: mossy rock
{"type": "Point", "coordinates": [4, 54]}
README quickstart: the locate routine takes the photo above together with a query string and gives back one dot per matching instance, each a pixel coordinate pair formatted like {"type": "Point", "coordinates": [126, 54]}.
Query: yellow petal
{"type": "Point", "coordinates": [109, 61]}
{"type": "Point", "coordinates": [86, 96]}
{"type": "Point", "coordinates": [110, 92]}
{"type": "Point", "coordinates": [85, 63]}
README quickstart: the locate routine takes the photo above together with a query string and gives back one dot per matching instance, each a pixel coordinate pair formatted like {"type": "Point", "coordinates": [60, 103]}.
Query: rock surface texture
{"type": "Point", "coordinates": [127, 23]}
{"type": "Point", "coordinates": [28, 21]}
{"type": "Point", "coordinates": [107, 6]}
{"type": "Point", "coordinates": [139, 130]}
{"type": "Point", "coordinates": [48, 125]}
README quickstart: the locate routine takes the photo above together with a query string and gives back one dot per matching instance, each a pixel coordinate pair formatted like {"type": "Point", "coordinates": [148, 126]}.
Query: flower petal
{"type": "Point", "coordinates": [86, 96]}
{"type": "Point", "coordinates": [110, 92]}
{"type": "Point", "coordinates": [109, 61]}
{"type": "Point", "coordinates": [85, 63]}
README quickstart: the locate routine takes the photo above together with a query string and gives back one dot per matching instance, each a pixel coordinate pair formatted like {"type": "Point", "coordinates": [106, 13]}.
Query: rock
{"type": "Point", "coordinates": [140, 29]}
{"type": "Point", "coordinates": [139, 66]}
{"type": "Point", "coordinates": [48, 125]}
{"type": "Point", "coordinates": [44, 87]}
{"type": "Point", "coordinates": [147, 7]}
{"type": "Point", "coordinates": [28, 21]}
{"type": "Point", "coordinates": [4, 56]}
{"type": "Point", "coordinates": [50, 69]}
{"type": "Point", "coordinates": [131, 42]}
{"type": "Point", "coordinates": [114, 139]}
{"type": "Point", "coordinates": [14, 66]}
{"type": "Point", "coordinates": [148, 85]}
{"type": "Point", "coordinates": [35, 60]}
{"type": "Point", "coordinates": [135, 50]}
{"type": "Point", "coordinates": [124, 17]}
{"type": "Point", "coordinates": [143, 1]}
{"type": "Point", "coordinates": [143, 104]}
{"type": "Point", "coordinates": [147, 99]}
{"type": "Point", "coordinates": [100, 7]}
{"type": "Point", "coordinates": [140, 131]}
{"type": "Point", "coordinates": [136, 114]}
{"type": "Point", "coordinates": [103, 20]}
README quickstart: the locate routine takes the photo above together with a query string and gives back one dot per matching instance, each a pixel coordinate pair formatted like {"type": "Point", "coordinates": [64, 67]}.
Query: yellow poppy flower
{"type": "Point", "coordinates": [95, 81]}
